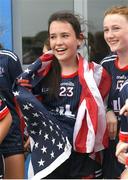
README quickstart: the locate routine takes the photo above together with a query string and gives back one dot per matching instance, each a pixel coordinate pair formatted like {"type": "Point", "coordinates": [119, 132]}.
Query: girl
{"type": "Point", "coordinates": [115, 27]}
{"type": "Point", "coordinates": [12, 145]}
{"type": "Point", "coordinates": [68, 91]}
{"type": "Point", "coordinates": [5, 123]}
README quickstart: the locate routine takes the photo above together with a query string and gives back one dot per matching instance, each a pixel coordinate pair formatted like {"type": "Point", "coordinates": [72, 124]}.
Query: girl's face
{"type": "Point", "coordinates": [63, 41]}
{"type": "Point", "coordinates": [116, 32]}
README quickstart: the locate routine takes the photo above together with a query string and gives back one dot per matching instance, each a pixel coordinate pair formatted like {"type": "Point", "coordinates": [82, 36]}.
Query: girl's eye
{"type": "Point", "coordinates": [115, 28]}
{"type": "Point", "coordinates": [52, 37]}
{"type": "Point", "coordinates": [65, 35]}
{"type": "Point", "coordinates": [105, 30]}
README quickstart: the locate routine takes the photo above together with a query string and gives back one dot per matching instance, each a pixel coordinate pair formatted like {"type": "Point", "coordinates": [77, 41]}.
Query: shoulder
{"type": "Point", "coordinates": [8, 54]}
{"type": "Point", "coordinates": [109, 59]}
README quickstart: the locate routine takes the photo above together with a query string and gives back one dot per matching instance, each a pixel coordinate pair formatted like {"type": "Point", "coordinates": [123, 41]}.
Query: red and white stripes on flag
{"type": "Point", "coordinates": [90, 127]}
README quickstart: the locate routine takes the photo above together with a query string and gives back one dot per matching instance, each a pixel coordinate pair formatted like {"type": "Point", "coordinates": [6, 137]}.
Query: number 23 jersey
{"type": "Point", "coordinates": [65, 107]}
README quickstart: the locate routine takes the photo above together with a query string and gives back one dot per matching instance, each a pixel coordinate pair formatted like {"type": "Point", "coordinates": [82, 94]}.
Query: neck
{"type": "Point", "coordinates": [123, 59]}
{"type": "Point", "coordinates": [69, 68]}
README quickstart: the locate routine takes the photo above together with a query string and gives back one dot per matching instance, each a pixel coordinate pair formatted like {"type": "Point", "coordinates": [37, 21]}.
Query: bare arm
{"type": "Point", "coordinates": [124, 109]}
{"type": "Point", "coordinates": [5, 124]}
{"type": "Point", "coordinates": [111, 124]}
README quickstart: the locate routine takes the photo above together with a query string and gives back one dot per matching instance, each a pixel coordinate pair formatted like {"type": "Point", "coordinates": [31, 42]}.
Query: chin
{"type": "Point", "coordinates": [113, 49]}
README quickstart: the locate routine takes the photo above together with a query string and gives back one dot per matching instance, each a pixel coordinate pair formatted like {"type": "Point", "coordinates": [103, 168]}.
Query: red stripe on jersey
{"type": "Point", "coordinates": [123, 137]}
{"type": "Point", "coordinates": [3, 113]}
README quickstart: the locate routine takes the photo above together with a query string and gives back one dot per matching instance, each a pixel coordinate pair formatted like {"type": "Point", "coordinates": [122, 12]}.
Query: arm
{"type": "Point", "coordinates": [5, 124]}
{"type": "Point", "coordinates": [124, 109]}
{"type": "Point", "coordinates": [111, 124]}
{"type": "Point", "coordinates": [5, 120]}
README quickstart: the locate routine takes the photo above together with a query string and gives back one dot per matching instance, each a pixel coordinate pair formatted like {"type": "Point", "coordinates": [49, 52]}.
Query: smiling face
{"type": "Point", "coordinates": [63, 40]}
{"type": "Point", "coordinates": [116, 32]}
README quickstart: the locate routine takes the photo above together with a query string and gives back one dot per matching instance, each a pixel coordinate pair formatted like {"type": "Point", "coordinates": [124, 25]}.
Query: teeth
{"type": "Point", "coordinates": [60, 49]}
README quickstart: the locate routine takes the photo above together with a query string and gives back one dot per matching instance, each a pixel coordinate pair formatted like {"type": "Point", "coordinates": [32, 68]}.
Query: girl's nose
{"type": "Point", "coordinates": [110, 33]}
{"type": "Point", "coordinates": [59, 40]}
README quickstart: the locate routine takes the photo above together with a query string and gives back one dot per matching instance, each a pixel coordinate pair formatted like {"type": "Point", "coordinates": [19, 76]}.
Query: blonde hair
{"type": "Point", "coordinates": [121, 10]}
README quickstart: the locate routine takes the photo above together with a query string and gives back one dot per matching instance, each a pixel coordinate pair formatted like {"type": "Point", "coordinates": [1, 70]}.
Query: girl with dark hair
{"type": "Point", "coordinates": [71, 91]}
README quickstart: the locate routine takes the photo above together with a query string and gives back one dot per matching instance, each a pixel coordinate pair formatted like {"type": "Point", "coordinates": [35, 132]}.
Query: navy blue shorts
{"type": "Point", "coordinates": [78, 166]}
{"type": "Point", "coordinates": [112, 168]}
{"type": "Point", "coordinates": [13, 143]}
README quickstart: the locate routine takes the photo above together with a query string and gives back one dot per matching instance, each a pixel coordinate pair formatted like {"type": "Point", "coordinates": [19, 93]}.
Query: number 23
{"type": "Point", "coordinates": [66, 91]}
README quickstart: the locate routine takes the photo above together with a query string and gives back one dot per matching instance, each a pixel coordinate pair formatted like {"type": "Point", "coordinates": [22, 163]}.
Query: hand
{"type": "Point", "coordinates": [24, 83]}
{"type": "Point", "coordinates": [124, 109]}
{"type": "Point", "coordinates": [48, 56]}
{"type": "Point", "coordinates": [124, 174]}
{"type": "Point", "coordinates": [121, 152]}
{"type": "Point", "coordinates": [27, 144]}
{"type": "Point", "coordinates": [111, 124]}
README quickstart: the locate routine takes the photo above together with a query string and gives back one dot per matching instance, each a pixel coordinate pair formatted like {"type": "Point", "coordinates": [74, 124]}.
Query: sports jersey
{"type": "Point", "coordinates": [124, 121]}
{"type": "Point", "coordinates": [10, 68]}
{"type": "Point", "coordinates": [119, 76]}
{"type": "Point", "coordinates": [66, 106]}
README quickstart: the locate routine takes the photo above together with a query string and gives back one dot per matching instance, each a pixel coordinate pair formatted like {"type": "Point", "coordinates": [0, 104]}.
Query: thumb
{"type": "Point", "coordinates": [122, 110]}
{"type": "Point", "coordinates": [48, 56]}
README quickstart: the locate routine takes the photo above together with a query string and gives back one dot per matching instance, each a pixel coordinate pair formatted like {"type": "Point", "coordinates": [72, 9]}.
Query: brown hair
{"type": "Point", "coordinates": [121, 10]}
{"type": "Point", "coordinates": [53, 78]}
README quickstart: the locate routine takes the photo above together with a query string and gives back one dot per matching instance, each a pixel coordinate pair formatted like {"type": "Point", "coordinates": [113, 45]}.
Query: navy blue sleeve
{"type": "Point", "coordinates": [123, 97]}
{"type": "Point", "coordinates": [14, 67]}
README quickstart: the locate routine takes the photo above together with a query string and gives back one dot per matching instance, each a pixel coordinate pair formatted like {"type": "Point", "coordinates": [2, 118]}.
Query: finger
{"type": "Point", "coordinates": [121, 148]}
{"type": "Point", "coordinates": [26, 85]}
{"type": "Point", "coordinates": [124, 174]}
{"type": "Point", "coordinates": [126, 113]}
{"type": "Point", "coordinates": [112, 131]}
{"type": "Point", "coordinates": [123, 110]}
{"type": "Point", "coordinates": [122, 157]}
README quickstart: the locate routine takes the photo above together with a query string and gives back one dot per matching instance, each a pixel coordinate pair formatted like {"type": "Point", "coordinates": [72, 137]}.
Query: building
{"type": "Point", "coordinates": [23, 23]}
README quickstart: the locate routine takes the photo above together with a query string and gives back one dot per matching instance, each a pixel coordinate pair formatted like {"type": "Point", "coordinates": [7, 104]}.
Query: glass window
{"type": "Point", "coordinates": [30, 19]}
{"type": "Point", "coordinates": [31, 16]}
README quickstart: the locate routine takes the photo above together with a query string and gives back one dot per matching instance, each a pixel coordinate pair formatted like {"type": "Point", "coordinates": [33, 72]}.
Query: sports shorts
{"type": "Point", "coordinates": [13, 142]}
{"type": "Point", "coordinates": [78, 166]}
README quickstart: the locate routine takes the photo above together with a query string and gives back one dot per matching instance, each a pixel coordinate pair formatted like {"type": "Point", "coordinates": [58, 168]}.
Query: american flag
{"type": "Point", "coordinates": [50, 147]}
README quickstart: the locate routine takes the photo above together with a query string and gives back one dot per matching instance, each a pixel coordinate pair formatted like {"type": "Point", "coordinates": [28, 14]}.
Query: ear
{"type": "Point", "coordinates": [80, 40]}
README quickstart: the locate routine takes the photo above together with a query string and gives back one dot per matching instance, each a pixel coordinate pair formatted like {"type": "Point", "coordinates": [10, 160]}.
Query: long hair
{"type": "Point", "coordinates": [54, 76]}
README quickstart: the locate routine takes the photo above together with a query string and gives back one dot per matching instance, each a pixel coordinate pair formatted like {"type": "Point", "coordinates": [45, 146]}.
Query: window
{"type": "Point", "coordinates": [30, 19]}
{"type": "Point", "coordinates": [30, 25]}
